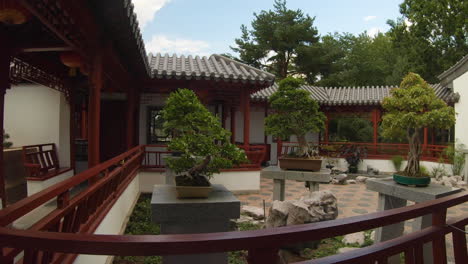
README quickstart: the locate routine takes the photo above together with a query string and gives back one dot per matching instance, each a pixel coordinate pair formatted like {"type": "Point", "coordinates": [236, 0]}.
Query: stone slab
{"type": "Point", "coordinates": [166, 207]}
{"type": "Point", "coordinates": [389, 187]}
{"type": "Point", "coordinates": [275, 172]}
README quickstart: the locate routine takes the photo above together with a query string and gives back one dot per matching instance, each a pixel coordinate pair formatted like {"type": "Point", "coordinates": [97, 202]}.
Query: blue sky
{"type": "Point", "coordinates": [204, 27]}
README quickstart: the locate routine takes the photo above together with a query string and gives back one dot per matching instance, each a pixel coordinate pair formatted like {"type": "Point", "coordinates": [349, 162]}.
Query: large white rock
{"type": "Point", "coordinates": [354, 238]}
{"type": "Point", "coordinates": [351, 181]}
{"type": "Point", "coordinates": [361, 179]}
{"type": "Point", "coordinates": [253, 211]}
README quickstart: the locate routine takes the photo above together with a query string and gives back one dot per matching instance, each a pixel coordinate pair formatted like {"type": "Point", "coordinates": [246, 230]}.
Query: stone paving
{"type": "Point", "coordinates": [353, 199]}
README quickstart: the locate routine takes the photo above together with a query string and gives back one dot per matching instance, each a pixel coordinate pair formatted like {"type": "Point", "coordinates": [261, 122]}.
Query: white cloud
{"type": "Point", "coordinates": [372, 32]}
{"type": "Point", "coordinates": [180, 46]}
{"type": "Point", "coordinates": [146, 9]}
{"type": "Point", "coordinates": [369, 18]}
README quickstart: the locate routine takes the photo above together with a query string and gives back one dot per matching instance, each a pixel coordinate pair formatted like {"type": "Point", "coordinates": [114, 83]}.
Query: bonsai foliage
{"type": "Point", "coordinates": [295, 113]}
{"type": "Point", "coordinates": [412, 107]}
{"type": "Point", "coordinates": [353, 155]}
{"type": "Point", "coordinates": [197, 134]}
{"type": "Point", "coordinates": [6, 143]}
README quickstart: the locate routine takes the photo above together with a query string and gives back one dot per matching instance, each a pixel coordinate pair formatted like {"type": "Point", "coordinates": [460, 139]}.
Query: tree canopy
{"type": "Point", "coordinates": [430, 37]}
{"type": "Point", "coordinates": [412, 107]}
{"type": "Point", "coordinates": [294, 113]}
{"type": "Point", "coordinates": [275, 39]}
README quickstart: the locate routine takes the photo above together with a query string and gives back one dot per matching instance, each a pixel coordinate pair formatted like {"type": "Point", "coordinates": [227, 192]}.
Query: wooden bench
{"type": "Point", "coordinates": [41, 162]}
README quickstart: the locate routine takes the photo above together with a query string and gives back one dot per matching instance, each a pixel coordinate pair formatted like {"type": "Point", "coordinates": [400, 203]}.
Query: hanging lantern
{"type": "Point", "coordinates": [72, 60]}
{"type": "Point", "coordinates": [12, 13]}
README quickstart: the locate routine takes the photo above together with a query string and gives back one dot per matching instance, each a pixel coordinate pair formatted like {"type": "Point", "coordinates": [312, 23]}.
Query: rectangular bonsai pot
{"type": "Point", "coordinates": [193, 191]}
{"type": "Point", "coordinates": [300, 164]}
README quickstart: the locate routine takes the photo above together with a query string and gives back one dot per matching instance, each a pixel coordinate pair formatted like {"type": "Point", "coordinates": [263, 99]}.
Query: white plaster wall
{"type": "Point", "coordinates": [37, 186]}
{"type": "Point", "coordinates": [460, 85]}
{"type": "Point", "coordinates": [238, 181]}
{"type": "Point", "coordinates": [35, 114]}
{"type": "Point", "coordinates": [115, 221]}
{"type": "Point", "coordinates": [149, 179]}
{"type": "Point", "coordinates": [386, 165]}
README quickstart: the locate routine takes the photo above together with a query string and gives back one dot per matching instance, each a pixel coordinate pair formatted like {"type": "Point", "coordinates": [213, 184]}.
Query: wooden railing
{"type": "Point", "coordinates": [80, 214]}
{"type": "Point", "coordinates": [374, 151]}
{"type": "Point", "coordinates": [154, 157]}
{"type": "Point", "coordinates": [52, 244]}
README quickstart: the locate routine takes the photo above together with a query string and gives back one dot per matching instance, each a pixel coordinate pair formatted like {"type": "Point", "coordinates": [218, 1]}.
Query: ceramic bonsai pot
{"type": "Point", "coordinates": [300, 164]}
{"type": "Point", "coordinates": [416, 181]}
{"type": "Point", "coordinates": [193, 191]}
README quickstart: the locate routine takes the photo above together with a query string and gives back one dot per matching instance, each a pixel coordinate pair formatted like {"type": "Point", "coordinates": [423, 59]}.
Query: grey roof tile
{"type": "Point", "coordinates": [215, 67]}
{"type": "Point", "coordinates": [363, 95]}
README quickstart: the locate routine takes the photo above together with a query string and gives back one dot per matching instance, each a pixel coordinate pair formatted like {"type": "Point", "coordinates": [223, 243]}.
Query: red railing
{"type": "Point", "coordinates": [80, 214]}
{"type": "Point", "coordinates": [374, 151]}
{"type": "Point", "coordinates": [154, 157]}
{"type": "Point", "coordinates": [52, 244]}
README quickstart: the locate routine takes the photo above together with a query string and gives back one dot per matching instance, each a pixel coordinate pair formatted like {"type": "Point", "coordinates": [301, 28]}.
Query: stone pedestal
{"type": "Point", "coordinates": [279, 176]}
{"type": "Point", "coordinates": [393, 195]}
{"type": "Point", "coordinates": [190, 216]}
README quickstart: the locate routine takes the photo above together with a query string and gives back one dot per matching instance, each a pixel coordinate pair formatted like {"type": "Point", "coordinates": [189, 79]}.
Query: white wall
{"type": "Point", "coordinates": [238, 181]}
{"type": "Point", "coordinates": [35, 114]}
{"type": "Point", "coordinates": [386, 165]}
{"type": "Point", "coordinates": [460, 85]}
{"type": "Point", "coordinates": [115, 221]}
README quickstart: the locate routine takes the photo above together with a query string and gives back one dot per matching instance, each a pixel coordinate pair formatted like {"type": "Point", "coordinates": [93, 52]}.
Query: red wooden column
{"type": "Point", "coordinates": [94, 112]}
{"type": "Point", "coordinates": [5, 59]}
{"type": "Point", "coordinates": [246, 110]}
{"type": "Point", "coordinates": [375, 123]}
{"type": "Point", "coordinates": [233, 125]}
{"type": "Point", "coordinates": [131, 98]}
{"type": "Point", "coordinates": [72, 124]}
{"type": "Point", "coordinates": [327, 121]}
{"type": "Point", "coordinates": [265, 140]}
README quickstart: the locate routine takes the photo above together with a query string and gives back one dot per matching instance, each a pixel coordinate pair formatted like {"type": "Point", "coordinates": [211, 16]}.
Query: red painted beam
{"type": "Point", "coordinates": [233, 125]}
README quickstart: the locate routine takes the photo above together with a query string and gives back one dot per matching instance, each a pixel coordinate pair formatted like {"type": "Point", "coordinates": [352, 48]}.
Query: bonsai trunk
{"type": "Point", "coordinates": [195, 171]}
{"type": "Point", "coordinates": [412, 168]}
{"type": "Point", "coordinates": [304, 146]}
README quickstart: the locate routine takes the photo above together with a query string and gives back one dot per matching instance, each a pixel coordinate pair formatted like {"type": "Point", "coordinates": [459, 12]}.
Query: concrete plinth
{"type": "Point", "coordinates": [191, 216]}
{"type": "Point", "coordinates": [393, 195]}
{"type": "Point", "coordinates": [279, 176]}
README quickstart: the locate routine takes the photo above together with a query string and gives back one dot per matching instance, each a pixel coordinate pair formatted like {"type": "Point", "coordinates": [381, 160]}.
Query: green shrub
{"type": "Point", "coordinates": [424, 171]}
{"type": "Point", "coordinates": [397, 162]}
{"type": "Point", "coordinates": [456, 158]}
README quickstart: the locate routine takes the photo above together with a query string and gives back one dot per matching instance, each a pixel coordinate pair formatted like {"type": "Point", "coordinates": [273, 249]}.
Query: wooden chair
{"type": "Point", "coordinates": [41, 162]}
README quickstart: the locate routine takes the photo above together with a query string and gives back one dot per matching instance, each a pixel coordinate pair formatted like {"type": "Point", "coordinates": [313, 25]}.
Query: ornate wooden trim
{"type": "Point", "coordinates": [20, 70]}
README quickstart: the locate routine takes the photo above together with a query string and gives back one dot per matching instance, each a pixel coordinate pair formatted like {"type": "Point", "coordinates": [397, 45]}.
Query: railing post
{"type": "Point", "coordinates": [439, 251]}
{"type": "Point", "coordinates": [263, 255]}
{"type": "Point", "coordinates": [63, 199]}
{"type": "Point", "coordinates": [459, 245]}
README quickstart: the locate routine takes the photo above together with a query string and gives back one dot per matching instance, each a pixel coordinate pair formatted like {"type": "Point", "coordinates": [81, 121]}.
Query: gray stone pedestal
{"type": "Point", "coordinates": [393, 195]}
{"type": "Point", "coordinates": [280, 176]}
{"type": "Point", "coordinates": [190, 216]}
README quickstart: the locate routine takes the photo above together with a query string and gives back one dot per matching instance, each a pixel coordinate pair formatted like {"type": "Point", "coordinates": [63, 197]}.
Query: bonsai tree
{"type": "Point", "coordinates": [353, 155]}
{"type": "Point", "coordinates": [198, 136]}
{"type": "Point", "coordinates": [295, 113]}
{"type": "Point", "coordinates": [6, 143]}
{"type": "Point", "coordinates": [412, 107]}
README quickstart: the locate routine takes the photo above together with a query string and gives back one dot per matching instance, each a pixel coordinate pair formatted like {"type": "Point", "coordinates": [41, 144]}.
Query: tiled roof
{"type": "Point", "coordinates": [216, 67]}
{"type": "Point", "coordinates": [368, 95]}
{"type": "Point", "coordinates": [454, 67]}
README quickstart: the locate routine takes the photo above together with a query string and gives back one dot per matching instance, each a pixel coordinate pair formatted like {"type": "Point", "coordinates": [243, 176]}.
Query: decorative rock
{"type": "Point", "coordinates": [287, 256]}
{"type": "Point", "coordinates": [462, 184]}
{"type": "Point", "coordinates": [314, 207]}
{"type": "Point", "coordinates": [447, 183]}
{"type": "Point", "coordinates": [278, 214]}
{"type": "Point", "coordinates": [354, 238]}
{"type": "Point", "coordinates": [255, 212]}
{"type": "Point", "coordinates": [346, 249]}
{"type": "Point", "coordinates": [361, 179]}
{"type": "Point", "coordinates": [457, 178]}
{"type": "Point", "coordinates": [339, 179]}
{"type": "Point", "coordinates": [351, 181]}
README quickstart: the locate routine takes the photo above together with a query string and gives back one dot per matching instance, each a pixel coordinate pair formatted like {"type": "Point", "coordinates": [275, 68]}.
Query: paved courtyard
{"type": "Point", "coordinates": [353, 199]}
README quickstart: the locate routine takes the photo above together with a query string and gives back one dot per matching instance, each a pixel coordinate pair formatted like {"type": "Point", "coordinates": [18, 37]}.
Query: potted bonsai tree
{"type": "Point", "coordinates": [202, 143]}
{"type": "Point", "coordinates": [412, 107]}
{"type": "Point", "coordinates": [353, 155]}
{"type": "Point", "coordinates": [295, 113]}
